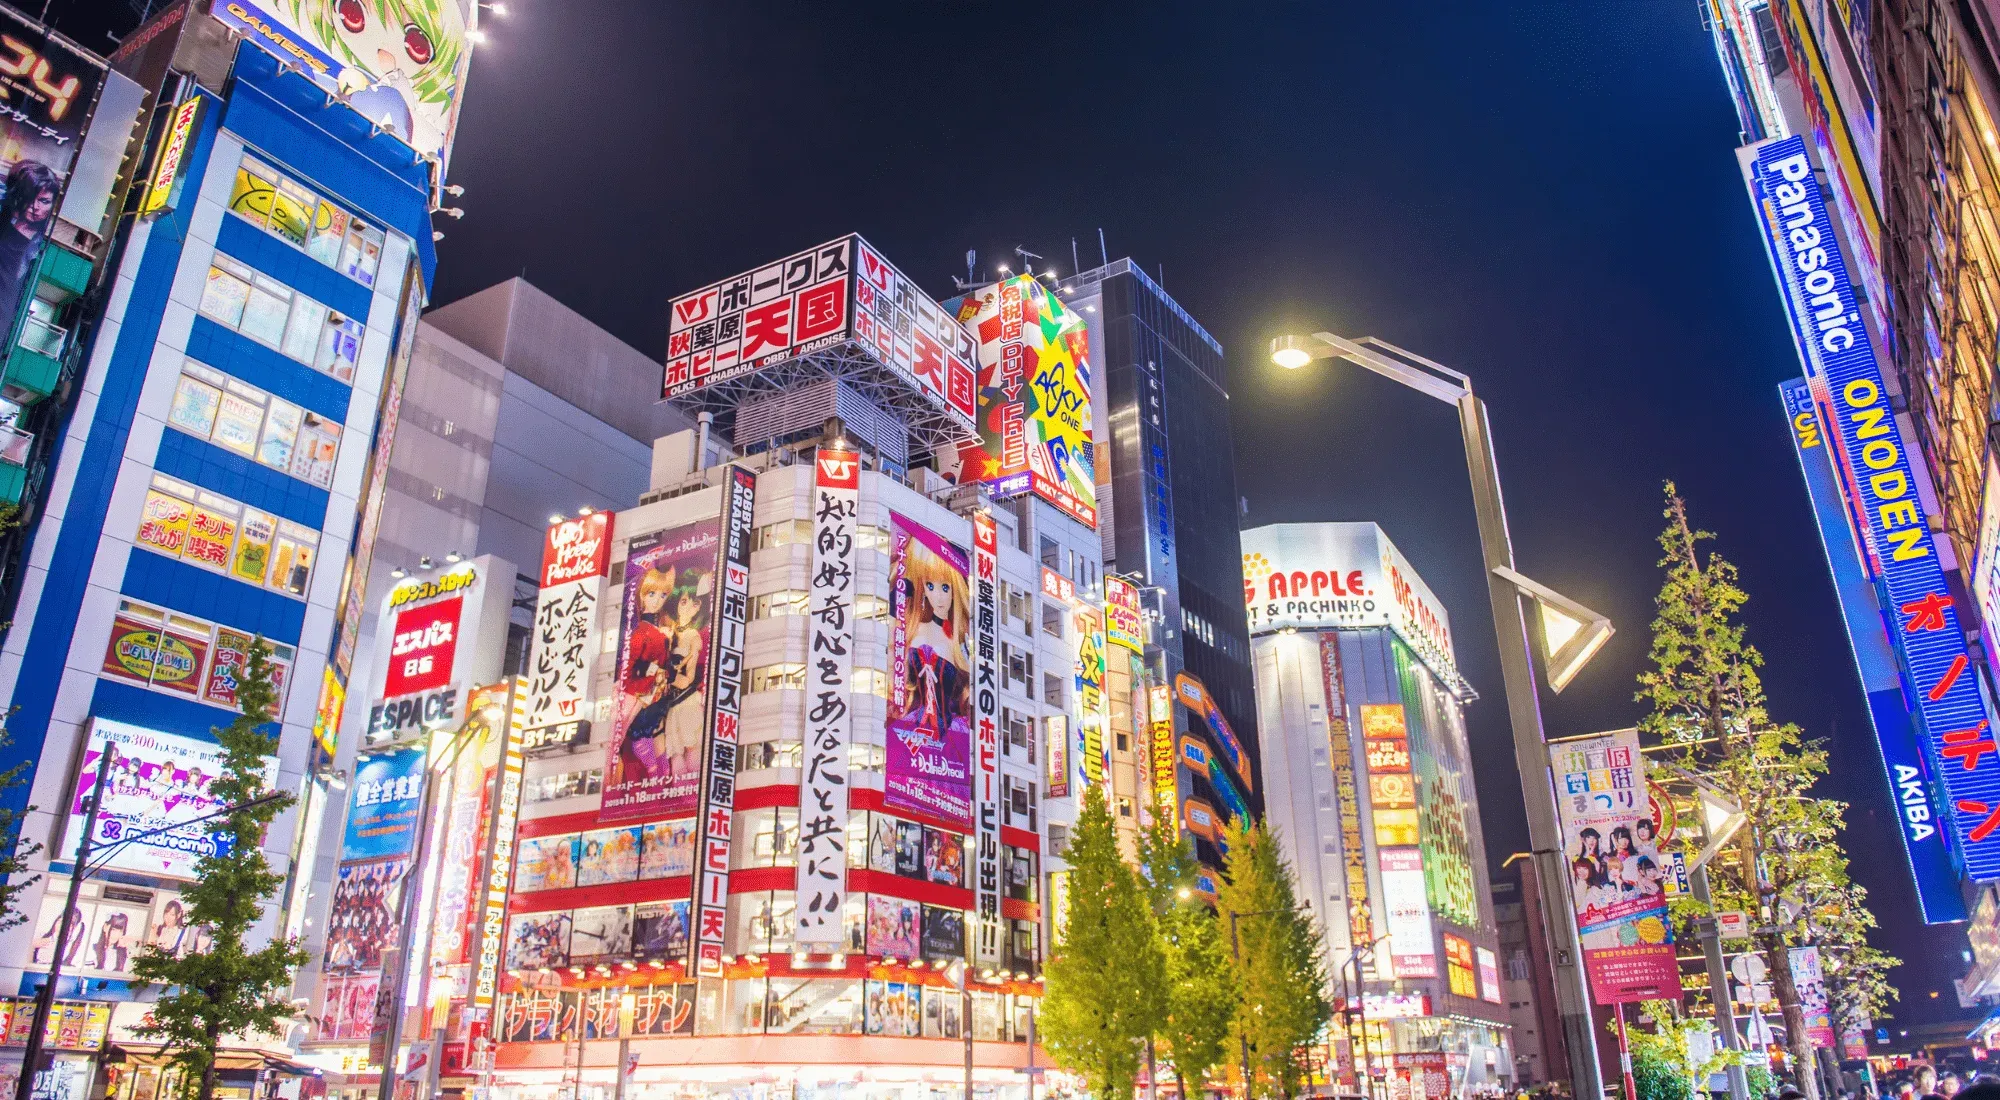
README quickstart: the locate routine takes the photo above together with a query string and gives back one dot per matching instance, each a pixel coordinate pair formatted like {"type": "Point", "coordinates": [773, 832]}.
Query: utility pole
{"type": "Point", "coordinates": [1718, 981]}
{"type": "Point", "coordinates": [31, 1059]}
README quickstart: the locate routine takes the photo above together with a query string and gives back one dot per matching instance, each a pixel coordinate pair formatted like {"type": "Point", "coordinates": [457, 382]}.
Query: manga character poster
{"type": "Point", "coordinates": [930, 676]}
{"type": "Point", "coordinates": [659, 706]}
{"type": "Point", "coordinates": [1614, 868]}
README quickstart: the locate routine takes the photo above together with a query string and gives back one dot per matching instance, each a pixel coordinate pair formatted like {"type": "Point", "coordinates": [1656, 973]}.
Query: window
{"type": "Point", "coordinates": [1018, 873]}
{"type": "Point", "coordinates": [288, 211]}
{"type": "Point", "coordinates": [791, 601]}
{"type": "Point", "coordinates": [778, 678]}
{"type": "Point", "coordinates": [870, 608]}
{"type": "Point", "coordinates": [1018, 801]}
{"type": "Point", "coordinates": [214, 532]}
{"type": "Point", "coordinates": [769, 754]}
{"type": "Point", "coordinates": [873, 538]}
{"type": "Point", "coordinates": [239, 417]}
{"type": "Point", "coordinates": [1052, 689]}
{"type": "Point", "coordinates": [1019, 730]}
{"type": "Point", "coordinates": [1124, 741]}
{"type": "Point", "coordinates": [1052, 620]}
{"type": "Point", "coordinates": [272, 313]}
{"type": "Point", "coordinates": [871, 681]}
{"type": "Point", "coordinates": [1058, 839]}
{"type": "Point", "coordinates": [1019, 603]}
{"type": "Point", "coordinates": [1124, 807]}
{"type": "Point", "coordinates": [783, 533]}
{"type": "Point", "coordinates": [548, 788]}
{"type": "Point", "coordinates": [867, 758]}
{"type": "Point", "coordinates": [1051, 553]}
{"type": "Point", "coordinates": [1016, 663]}
{"type": "Point", "coordinates": [185, 656]}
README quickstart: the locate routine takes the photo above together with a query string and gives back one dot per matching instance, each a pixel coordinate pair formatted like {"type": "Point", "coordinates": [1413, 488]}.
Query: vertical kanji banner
{"type": "Point", "coordinates": [719, 781]}
{"type": "Point", "coordinates": [822, 869]}
{"type": "Point", "coordinates": [576, 556]}
{"type": "Point", "coordinates": [986, 752]}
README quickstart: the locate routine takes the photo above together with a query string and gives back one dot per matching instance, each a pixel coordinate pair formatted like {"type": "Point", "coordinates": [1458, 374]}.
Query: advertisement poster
{"type": "Point", "coordinates": [425, 648]}
{"type": "Point", "coordinates": [894, 926]}
{"type": "Point", "coordinates": [1425, 1075]}
{"type": "Point", "coordinates": [546, 863]}
{"type": "Point", "coordinates": [930, 676]}
{"type": "Point", "coordinates": [401, 63]}
{"type": "Point", "coordinates": [1489, 975]}
{"type": "Point", "coordinates": [1614, 868]}
{"type": "Point", "coordinates": [156, 780]}
{"type": "Point", "coordinates": [366, 915]}
{"type": "Point", "coordinates": [666, 849]}
{"type": "Point", "coordinates": [821, 879]}
{"type": "Point", "coordinates": [382, 811]}
{"type": "Point", "coordinates": [653, 758]}
{"type": "Point", "coordinates": [944, 933]}
{"type": "Point", "coordinates": [663, 1009]}
{"type": "Point", "coordinates": [1810, 979]}
{"type": "Point", "coordinates": [893, 1008]}
{"type": "Point", "coordinates": [1035, 429]}
{"type": "Point", "coordinates": [576, 556]}
{"type": "Point", "coordinates": [538, 940]}
{"type": "Point", "coordinates": [49, 89]}
{"type": "Point", "coordinates": [1461, 971]}
{"type": "Point", "coordinates": [986, 707]}
{"type": "Point", "coordinates": [1124, 623]}
{"type": "Point", "coordinates": [608, 855]}
{"type": "Point", "coordinates": [600, 934]}
{"type": "Point", "coordinates": [1406, 915]}
{"type": "Point", "coordinates": [660, 929]}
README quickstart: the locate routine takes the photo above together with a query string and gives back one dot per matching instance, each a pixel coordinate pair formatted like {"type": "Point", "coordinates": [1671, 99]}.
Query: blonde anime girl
{"type": "Point", "coordinates": [936, 614]}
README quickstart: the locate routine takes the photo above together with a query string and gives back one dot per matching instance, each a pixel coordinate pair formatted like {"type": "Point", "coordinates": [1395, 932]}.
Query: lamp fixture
{"type": "Point", "coordinates": [454, 557]}
{"type": "Point", "coordinates": [1571, 633]}
{"type": "Point", "coordinates": [425, 562]}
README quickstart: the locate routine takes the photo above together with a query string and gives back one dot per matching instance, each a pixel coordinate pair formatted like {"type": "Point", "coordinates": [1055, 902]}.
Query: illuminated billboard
{"type": "Point", "coordinates": [838, 310]}
{"type": "Point", "coordinates": [1035, 432]}
{"type": "Point", "coordinates": [401, 63]}
{"type": "Point", "coordinates": [156, 780]}
{"type": "Point", "coordinates": [1344, 576]}
{"type": "Point", "coordinates": [1919, 814]}
{"type": "Point", "coordinates": [427, 644]}
{"type": "Point", "coordinates": [1874, 466]}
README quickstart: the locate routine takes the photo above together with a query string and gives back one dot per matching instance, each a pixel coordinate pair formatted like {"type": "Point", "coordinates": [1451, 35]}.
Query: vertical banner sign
{"type": "Point", "coordinates": [822, 871]}
{"type": "Point", "coordinates": [1921, 817]}
{"type": "Point", "coordinates": [719, 784]}
{"type": "Point", "coordinates": [576, 556]}
{"type": "Point", "coordinates": [1810, 979]}
{"type": "Point", "coordinates": [499, 869]}
{"type": "Point", "coordinates": [653, 756]}
{"type": "Point", "coordinates": [1166, 770]}
{"type": "Point", "coordinates": [1124, 624]}
{"type": "Point", "coordinates": [1875, 464]}
{"type": "Point", "coordinates": [1092, 711]}
{"type": "Point", "coordinates": [1614, 874]}
{"type": "Point", "coordinates": [929, 729]}
{"type": "Point", "coordinates": [1340, 749]}
{"type": "Point", "coordinates": [986, 718]}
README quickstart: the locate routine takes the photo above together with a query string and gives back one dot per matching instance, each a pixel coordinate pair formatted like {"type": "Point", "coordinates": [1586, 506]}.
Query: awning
{"type": "Point", "coordinates": [227, 1058]}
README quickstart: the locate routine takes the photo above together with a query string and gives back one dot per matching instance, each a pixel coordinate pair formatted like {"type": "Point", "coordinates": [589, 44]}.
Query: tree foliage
{"type": "Point", "coordinates": [1786, 866]}
{"type": "Point", "coordinates": [227, 988]}
{"type": "Point", "coordinates": [1105, 989]}
{"type": "Point", "coordinates": [1200, 996]}
{"type": "Point", "coordinates": [15, 874]}
{"type": "Point", "coordinates": [1275, 956]}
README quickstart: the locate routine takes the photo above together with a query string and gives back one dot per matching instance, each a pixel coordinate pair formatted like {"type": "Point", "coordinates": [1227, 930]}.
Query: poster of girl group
{"type": "Point", "coordinates": [1615, 867]}
{"type": "Point", "coordinates": [653, 760]}
{"type": "Point", "coordinates": [930, 677]}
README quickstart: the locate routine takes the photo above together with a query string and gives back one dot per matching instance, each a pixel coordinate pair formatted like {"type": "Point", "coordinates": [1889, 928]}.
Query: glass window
{"type": "Point", "coordinates": [816, 1006]}
{"type": "Point", "coordinates": [791, 601]}
{"type": "Point", "coordinates": [328, 231]}
{"type": "Point", "coordinates": [871, 681]}
{"type": "Point", "coordinates": [196, 398]}
{"type": "Point", "coordinates": [281, 430]}
{"type": "Point", "coordinates": [871, 608]}
{"type": "Point", "coordinates": [266, 310]}
{"type": "Point", "coordinates": [302, 332]}
{"type": "Point", "coordinates": [314, 453]}
{"type": "Point", "coordinates": [778, 677]}
{"type": "Point", "coordinates": [272, 313]}
{"type": "Point", "coordinates": [339, 347]}
{"type": "Point", "coordinates": [242, 418]}
{"type": "Point", "coordinates": [228, 287]}
{"type": "Point", "coordinates": [284, 208]}
{"type": "Point", "coordinates": [184, 656]}
{"type": "Point", "coordinates": [362, 254]}
{"type": "Point", "coordinates": [783, 533]}
{"type": "Point", "coordinates": [292, 558]}
{"type": "Point", "coordinates": [253, 546]}
{"type": "Point", "coordinates": [215, 532]}
{"type": "Point", "coordinates": [873, 538]}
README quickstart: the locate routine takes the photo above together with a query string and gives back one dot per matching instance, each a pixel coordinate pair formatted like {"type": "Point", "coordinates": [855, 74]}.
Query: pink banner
{"type": "Point", "coordinates": [930, 678]}
{"type": "Point", "coordinates": [1615, 868]}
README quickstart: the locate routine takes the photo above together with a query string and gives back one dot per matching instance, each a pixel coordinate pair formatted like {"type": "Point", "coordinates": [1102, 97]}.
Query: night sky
{"type": "Point", "coordinates": [1540, 194]}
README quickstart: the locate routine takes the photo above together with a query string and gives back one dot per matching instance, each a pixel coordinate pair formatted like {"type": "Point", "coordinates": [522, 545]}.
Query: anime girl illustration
{"type": "Point", "coordinates": [660, 716]}
{"type": "Point", "coordinates": [400, 60]}
{"type": "Point", "coordinates": [646, 674]}
{"type": "Point", "coordinates": [936, 613]}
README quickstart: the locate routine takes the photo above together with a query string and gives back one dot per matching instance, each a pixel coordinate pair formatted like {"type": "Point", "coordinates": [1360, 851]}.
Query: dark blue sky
{"type": "Point", "coordinates": [1540, 193]}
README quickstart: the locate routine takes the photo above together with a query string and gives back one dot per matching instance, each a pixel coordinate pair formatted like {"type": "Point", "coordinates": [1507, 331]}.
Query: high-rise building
{"type": "Point", "coordinates": [1167, 490]}
{"type": "Point", "coordinates": [1526, 977]}
{"type": "Point", "coordinates": [262, 258]}
{"type": "Point", "coordinates": [1359, 696]}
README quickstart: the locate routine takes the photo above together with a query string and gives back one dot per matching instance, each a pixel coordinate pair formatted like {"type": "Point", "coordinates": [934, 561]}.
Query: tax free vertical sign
{"type": "Point", "coordinates": [1923, 622]}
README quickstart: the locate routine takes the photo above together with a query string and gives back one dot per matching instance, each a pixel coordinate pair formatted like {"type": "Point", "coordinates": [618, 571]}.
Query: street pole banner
{"type": "Point", "coordinates": [1874, 462]}
{"type": "Point", "coordinates": [986, 717]}
{"type": "Point", "coordinates": [1613, 866]}
{"type": "Point", "coordinates": [718, 809]}
{"type": "Point", "coordinates": [821, 880]}
{"type": "Point", "coordinates": [1810, 980]}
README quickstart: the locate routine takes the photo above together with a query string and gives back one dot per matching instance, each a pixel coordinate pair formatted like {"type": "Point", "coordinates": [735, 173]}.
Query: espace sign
{"type": "Point", "coordinates": [423, 645]}
{"type": "Point", "coordinates": [1342, 576]}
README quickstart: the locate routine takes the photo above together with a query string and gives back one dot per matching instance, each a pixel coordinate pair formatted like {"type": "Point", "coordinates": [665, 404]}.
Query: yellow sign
{"type": "Point", "coordinates": [162, 185]}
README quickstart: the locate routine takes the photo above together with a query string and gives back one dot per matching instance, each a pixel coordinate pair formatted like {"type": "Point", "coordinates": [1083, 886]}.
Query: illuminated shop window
{"type": "Point", "coordinates": [291, 212]}
{"type": "Point", "coordinates": [237, 416]}
{"type": "Point", "coordinates": [814, 1006]}
{"type": "Point", "coordinates": [766, 837]}
{"type": "Point", "coordinates": [279, 317]}
{"type": "Point", "coordinates": [764, 922]}
{"type": "Point", "coordinates": [871, 608]}
{"type": "Point", "coordinates": [791, 601]}
{"type": "Point", "coordinates": [185, 656]}
{"type": "Point", "coordinates": [873, 538]}
{"type": "Point", "coordinates": [769, 754]}
{"type": "Point", "coordinates": [220, 534]}
{"type": "Point", "coordinates": [549, 788]}
{"type": "Point", "coordinates": [783, 677]}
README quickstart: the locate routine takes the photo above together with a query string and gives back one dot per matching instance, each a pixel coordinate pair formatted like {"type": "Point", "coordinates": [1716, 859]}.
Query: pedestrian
{"type": "Point", "coordinates": [1949, 1086]}
{"type": "Point", "coordinates": [1983, 1087]}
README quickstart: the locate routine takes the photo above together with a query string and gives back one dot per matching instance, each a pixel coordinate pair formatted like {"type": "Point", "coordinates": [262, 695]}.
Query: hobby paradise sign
{"type": "Point", "coordinates": [1874, 462]}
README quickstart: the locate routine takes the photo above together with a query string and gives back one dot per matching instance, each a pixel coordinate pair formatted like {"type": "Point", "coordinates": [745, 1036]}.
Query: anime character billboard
{"type": "Point", "coordinates": [653, 759]}
{"type": "Point", "coordinates": [930, 677]}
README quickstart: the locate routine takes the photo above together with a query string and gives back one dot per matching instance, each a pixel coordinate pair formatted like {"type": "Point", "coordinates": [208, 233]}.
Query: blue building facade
{"type": "Point", "coordinates": [214, 481]}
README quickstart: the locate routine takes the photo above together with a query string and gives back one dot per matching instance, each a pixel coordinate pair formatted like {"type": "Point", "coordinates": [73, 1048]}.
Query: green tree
{"type": "Point", "coordinates": [1104, 980]}
{"type": "Point", "coordinates": [1200, 998]}
{"type": "Point", "coordinates": [15, 876]}
{"type": "Point", "coordinates": [1786, 866]}
{"type": "Point", "coordinates": [228, 989]}
{"type": "Point", "coordinates": [1275, 957]}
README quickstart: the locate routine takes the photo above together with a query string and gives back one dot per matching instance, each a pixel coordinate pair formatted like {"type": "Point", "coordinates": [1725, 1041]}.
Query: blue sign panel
{"type": "Point", "coordinates": [1874, 462]}
{"type": "Point", "coordinates": [1910, 782]}
{"type": "Point", "coordinates": [382, 815]}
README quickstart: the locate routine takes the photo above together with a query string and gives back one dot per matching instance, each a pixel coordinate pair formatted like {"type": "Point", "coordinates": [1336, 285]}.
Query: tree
{"type": "Point", "coordinates": [1707, 702]}
{"type": "Point", "coordinates": [15, 876]}
{"type": "Point", "coordinates": [227, 988]}
{"type": "Point", "coordinates": [1200, 996]}
{"type": "Point", "coordinates": [1104, 981]}
{"type": "Point", "coordinates": [1275, 957]}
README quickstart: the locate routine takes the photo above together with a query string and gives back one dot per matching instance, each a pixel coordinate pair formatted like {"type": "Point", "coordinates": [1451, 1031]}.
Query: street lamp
{"type": "Point", "coordinates": [1565, 648]}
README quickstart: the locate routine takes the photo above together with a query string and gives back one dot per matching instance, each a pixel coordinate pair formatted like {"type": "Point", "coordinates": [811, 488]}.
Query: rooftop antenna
{"type": "Point", "coordinates": [1027, 258]}
{"type": "Point", "coordinates": [1102, 252]}
{"type": "Point", "coordinates": [1074, 263]}
{"type": "Point", "coordinates": [971, 280]}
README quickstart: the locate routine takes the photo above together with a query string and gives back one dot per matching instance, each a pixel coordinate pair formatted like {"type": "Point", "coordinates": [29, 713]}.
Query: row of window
{"type": "Point", "coordinates": [185, 656]}
{"type": "Point", "coordinates": [789, 532]}
{"type": "Point", "coordinates": [291, 212]}
{"type": "Point", "coordinates": [214, 532]}
{"type": "Point", "coordinates": [871, 924]}
{"type": "Point", "coordinates": [281, 318]}
{"type": "Point", "coordinates": [239, 417]}
{"type": "Point", "coordinates": [549, 788]}
{"type": "Point", "coordinates": [792, 601]}
{"type": "Point", "coordinates": [791, 676]}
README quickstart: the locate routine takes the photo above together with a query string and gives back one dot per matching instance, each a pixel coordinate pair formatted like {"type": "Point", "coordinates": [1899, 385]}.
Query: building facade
{"type": "Point", "coordinates": [1374, 805]}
